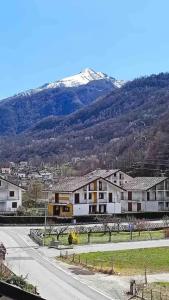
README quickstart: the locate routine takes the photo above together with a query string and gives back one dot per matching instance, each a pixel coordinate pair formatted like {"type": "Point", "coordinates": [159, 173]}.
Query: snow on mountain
{"type": "Point", "coordinates": [81, 78]}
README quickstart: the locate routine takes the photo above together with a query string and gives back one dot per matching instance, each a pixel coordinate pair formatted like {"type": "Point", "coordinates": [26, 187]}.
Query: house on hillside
{"type": "Point", "coordinates": [6, 170]}
{"type": "Point", "coordinates": [146, 194]}
{"type": "Point", "coordinates": [10, 196]}
{"type": "Point", "coordinates": [86, 195]}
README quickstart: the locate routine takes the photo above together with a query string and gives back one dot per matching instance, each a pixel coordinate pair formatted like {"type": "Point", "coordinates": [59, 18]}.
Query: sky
{"type": "Point", "coordinates": [46, 40]}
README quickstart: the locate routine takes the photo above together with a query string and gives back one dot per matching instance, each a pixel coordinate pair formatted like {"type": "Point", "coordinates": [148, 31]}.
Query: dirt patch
{"type": "Point", "coordinates": [81, 271]}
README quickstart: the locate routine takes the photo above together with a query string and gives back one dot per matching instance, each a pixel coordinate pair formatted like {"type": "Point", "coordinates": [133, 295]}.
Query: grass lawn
{"type": "Point", "coordinates": [116, 237]}
{"type": "Point", "coordinates": [128, 262]}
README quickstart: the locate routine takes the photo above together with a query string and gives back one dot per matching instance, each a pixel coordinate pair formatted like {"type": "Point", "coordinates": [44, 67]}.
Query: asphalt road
{"type": "Point", "coordinates": [52, 282]}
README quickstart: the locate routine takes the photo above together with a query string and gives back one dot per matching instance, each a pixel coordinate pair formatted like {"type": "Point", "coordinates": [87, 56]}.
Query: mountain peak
{"type": "Point", "coordinates": [84, 77]}
{"type": "Point", "coordinates": [88, 70]}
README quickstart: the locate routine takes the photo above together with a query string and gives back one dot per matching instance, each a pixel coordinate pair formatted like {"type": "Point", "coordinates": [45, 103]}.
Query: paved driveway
{"type": "Point", "coordinates": [53, 282]}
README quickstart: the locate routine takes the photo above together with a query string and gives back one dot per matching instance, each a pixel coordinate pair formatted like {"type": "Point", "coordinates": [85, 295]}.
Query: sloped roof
{"type": "Point", "coordinates": [102, 172]}
{"type": "Point", "coordinates": [3, 179]}
{"type": "Point", "coordinates": [143, 183]}
{"type": "Point", "coordinates": [71, 184]}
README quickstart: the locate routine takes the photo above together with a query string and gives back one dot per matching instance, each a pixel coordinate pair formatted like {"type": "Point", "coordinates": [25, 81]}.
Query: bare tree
{"type": "Point", "coordinates": [59, 230]}
{"type": "Point", "coordinates": [110, 223]}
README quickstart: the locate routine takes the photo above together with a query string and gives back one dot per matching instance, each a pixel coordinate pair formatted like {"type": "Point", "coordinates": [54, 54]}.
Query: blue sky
{"type": "Point", "coordinates": [46, 40]}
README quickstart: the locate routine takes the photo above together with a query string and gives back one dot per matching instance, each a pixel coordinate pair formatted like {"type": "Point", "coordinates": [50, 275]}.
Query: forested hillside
{"type": "Point", "coordinates": [129, 124]}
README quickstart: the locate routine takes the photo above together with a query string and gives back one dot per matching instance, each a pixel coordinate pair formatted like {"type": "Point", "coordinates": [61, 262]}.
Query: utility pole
{"type": "Point", "coordinates": [45, 224]}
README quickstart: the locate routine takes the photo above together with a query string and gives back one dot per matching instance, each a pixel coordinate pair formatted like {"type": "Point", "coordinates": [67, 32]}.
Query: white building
{"type": "Point", "coordinates": [23, 164]}
{"type": "Point", "coordinates": [21, 175]}
{"type": "Point", "coordinates": [46, 175]}
{"type": "Point", "coordinates": [86, 195]}
{"type": "Point", "coordinates": [5, 170]}
{"type": "Point", "coordinates": [146, 194]}
{"type": "Point", "coordinates": [10, 196]}
{"type": "Point", "coordinates": [116, 176]}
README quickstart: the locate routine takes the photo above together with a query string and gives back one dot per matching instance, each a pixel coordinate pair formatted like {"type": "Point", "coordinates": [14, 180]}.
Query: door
{"type": "Point", "coordinates": [129, 206]}
{"type": "Point", "coordinates": [92, 209]}
{"type": "Point", "coordinates": [102, 208]}
{"type": "Point", "coordinates": [56, 210]}
{"type": "Point", "coordinates": [138, 206]}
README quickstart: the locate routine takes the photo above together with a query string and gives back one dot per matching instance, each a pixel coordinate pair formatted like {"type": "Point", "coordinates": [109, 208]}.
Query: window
{"type": "Point", "coordinates": [91, 187]}
{"type": "Point", "coordinates": [11, 193]}
{"type": "Point", "coordinates": [90, 196]}
{"type": "Point", "coordinates": [122, 196]}
{"type": "Point", "coordinates": [114, 174]}
{"type": "Point", "coordinates": [14, 204]}
{"type": "Point", "coordinates": [85, 196]}
{"type": "Point", "coordinates": [120, 176]}
{"type": "Point", "coordinates": [110, 197]}
{"type": "Point", "coordinates": [76, 198]}
{"type": "Point", "coordinates": [100, 186]}
{"type": "Point", "coordinates": [101, 195]}
{"type": "Point", "coordinates": [0, 182]}
{"type": "Point", "coordinates": [129, 195]}
{"type": "Point", "coordinates": [148, 196]}
{"type": "Point", "coordinates": [56, 198]}
{"type": "Point", "coordinates": [167, 194]}
{"type": "Point", "coordinates": [65, 209]}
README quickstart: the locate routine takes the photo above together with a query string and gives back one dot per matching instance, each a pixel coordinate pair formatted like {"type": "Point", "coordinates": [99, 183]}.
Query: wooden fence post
{"type": "Point", "coordinates": [86, 261]}
{"type": "Point", "coordinates": [101, 265]}
{"type": "Point", "coordinates": [112, 263]}
{"type": "Point", "coordinates": [145, 275]}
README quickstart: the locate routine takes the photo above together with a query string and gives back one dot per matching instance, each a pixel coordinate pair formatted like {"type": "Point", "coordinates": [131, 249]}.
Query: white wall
{"type": "Point", "coordinates": [80, 209]}
{"type": "Point", "coordinates": [114, 208]}
{"type": "Point", "coordinates": [119, 181]}
{"type": "Point", "coordinates": [151, 206]}
{"type": "Point", "coordinates": [5, 197]}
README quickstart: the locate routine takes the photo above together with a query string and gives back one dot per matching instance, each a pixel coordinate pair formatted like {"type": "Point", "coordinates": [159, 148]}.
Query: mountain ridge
{"type": "Point", "coordinates": [85, 76]}
{"type": "Point", "coordinates": [22, 111]}
{"type": "Point", "coordinates": [125, 125]}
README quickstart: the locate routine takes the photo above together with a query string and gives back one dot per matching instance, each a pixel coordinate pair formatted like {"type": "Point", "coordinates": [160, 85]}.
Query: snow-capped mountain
{"type": "Point", "coordinates": [82, 78]}
{"type": "Point", "coordinates": [58, 98]}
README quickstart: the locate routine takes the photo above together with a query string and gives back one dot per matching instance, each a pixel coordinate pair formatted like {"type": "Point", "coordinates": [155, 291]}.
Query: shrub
{"type": "Point", "coordinates": [73, 238]}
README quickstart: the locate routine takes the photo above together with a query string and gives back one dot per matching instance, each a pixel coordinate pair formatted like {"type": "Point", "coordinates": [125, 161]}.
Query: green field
{"type": "Point", "coordinates": [104, 237]}
{"type": "Point", "coordinates": [127, 262]}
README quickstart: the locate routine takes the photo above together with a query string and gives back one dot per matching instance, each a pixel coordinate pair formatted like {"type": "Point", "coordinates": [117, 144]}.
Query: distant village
{"type": "Point", "coordinates": [25, 188]}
